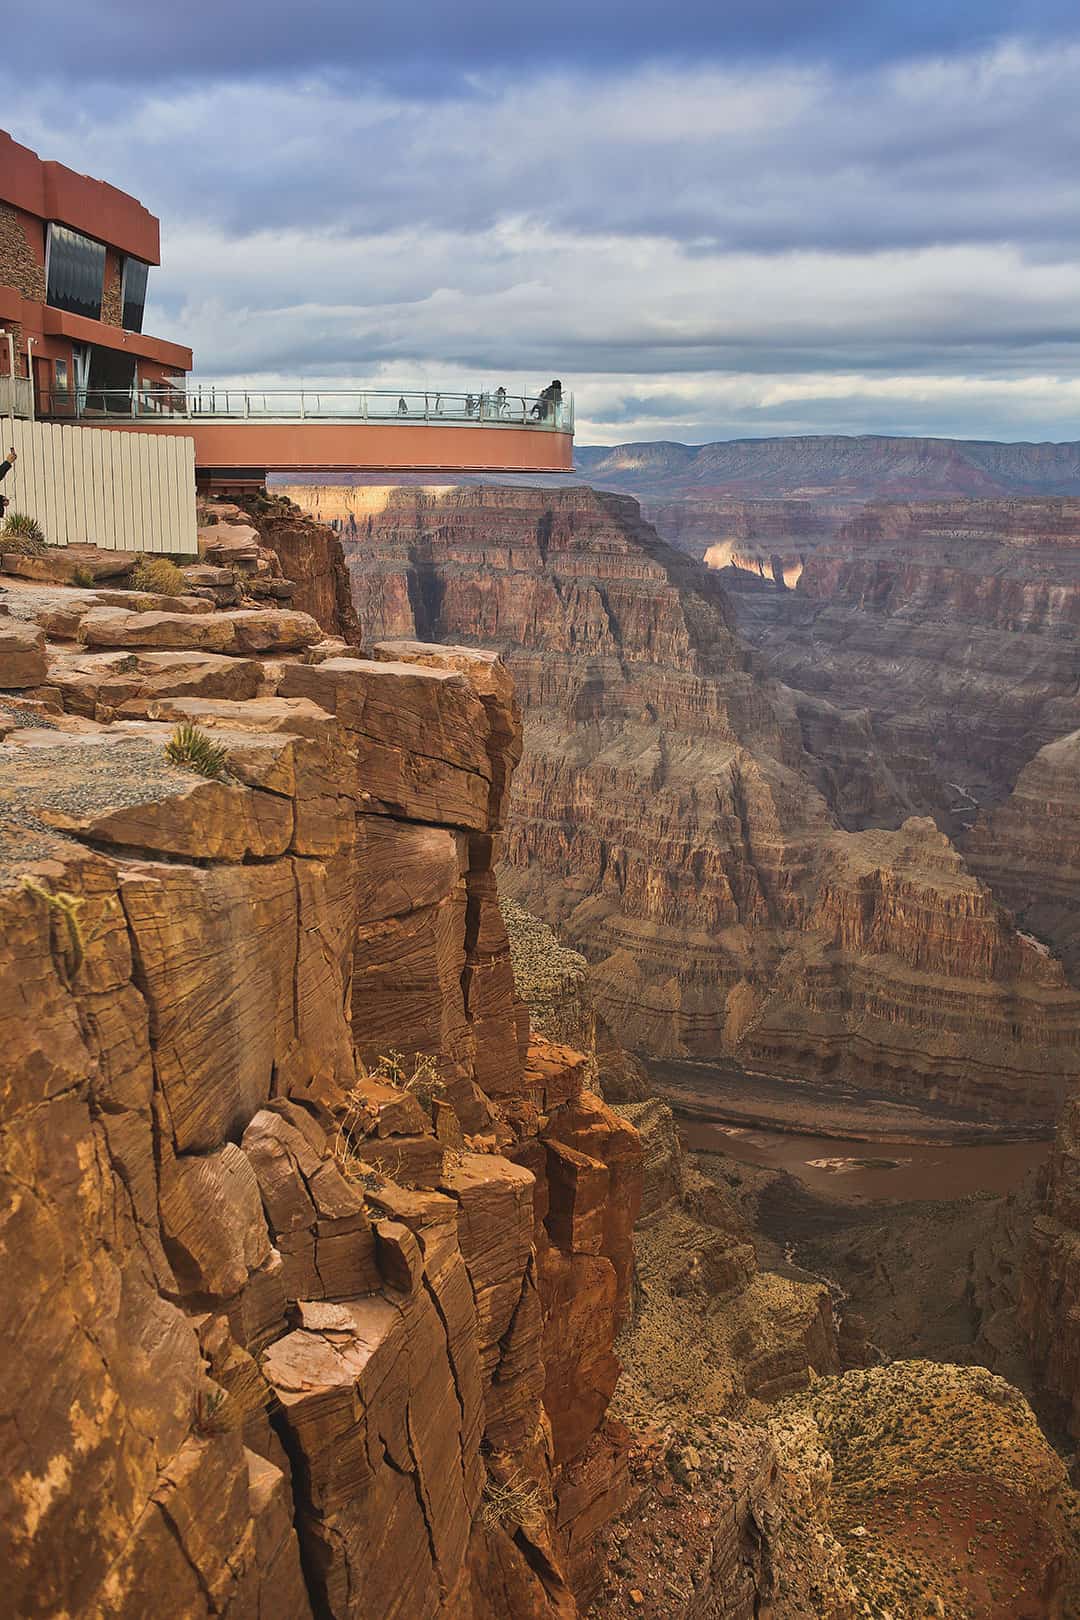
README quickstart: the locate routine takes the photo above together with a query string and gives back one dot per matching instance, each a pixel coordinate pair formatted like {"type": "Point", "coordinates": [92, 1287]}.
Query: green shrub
{"type": "Point", "coordinates": [195, 751]}
{"type": "Point", "coordinates": [82, 576]}
{"type": "Point", "coordinates": [22, 535]}
{"type": "Point", "coordinates": [157, 574]}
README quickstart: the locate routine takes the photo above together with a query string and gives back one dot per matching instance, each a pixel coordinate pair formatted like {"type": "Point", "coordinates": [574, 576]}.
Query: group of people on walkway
{"type": "Point", "coordinates": [493, 407]}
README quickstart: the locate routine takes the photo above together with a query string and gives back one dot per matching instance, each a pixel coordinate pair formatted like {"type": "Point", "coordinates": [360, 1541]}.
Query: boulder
{"type": "Point", "coordinates": [22, 655]}
{"type": "Point", "coordinates": [421, 736]}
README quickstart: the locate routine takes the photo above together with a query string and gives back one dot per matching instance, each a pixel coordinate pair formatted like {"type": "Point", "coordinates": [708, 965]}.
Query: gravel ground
{"type": "Point", "coordinates": [85, 774]}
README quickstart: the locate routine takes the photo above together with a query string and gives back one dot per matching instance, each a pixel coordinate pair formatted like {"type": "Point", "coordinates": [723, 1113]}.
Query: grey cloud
{"type": "Point", "coordinates": [765, 159]}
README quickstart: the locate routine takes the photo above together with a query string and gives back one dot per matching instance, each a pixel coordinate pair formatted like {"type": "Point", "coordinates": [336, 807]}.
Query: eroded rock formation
{"type": "Point", "coordinates": [295, 1326]}
{"type": "Point", "coordinates": [1049, 1294]}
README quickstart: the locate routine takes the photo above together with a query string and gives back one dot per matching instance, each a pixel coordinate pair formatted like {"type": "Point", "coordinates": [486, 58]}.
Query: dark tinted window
{"type": "Point", "coordinates": [110, 379]}
{"type": "Point", "coordinates": [76, 272]}
{"type": "Point", "coordinates": [135, 272]}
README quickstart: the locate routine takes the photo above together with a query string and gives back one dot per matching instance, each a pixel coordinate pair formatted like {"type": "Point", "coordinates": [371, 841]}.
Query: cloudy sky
{"type": "Point", "coordinates": [711, 218]}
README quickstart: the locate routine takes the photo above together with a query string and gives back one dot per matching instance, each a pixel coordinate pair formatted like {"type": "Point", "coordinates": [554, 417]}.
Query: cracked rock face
{"type": "Point", "coordinates": [740, 863]}
{"type": "Point", "coordinates": [286, 1336]}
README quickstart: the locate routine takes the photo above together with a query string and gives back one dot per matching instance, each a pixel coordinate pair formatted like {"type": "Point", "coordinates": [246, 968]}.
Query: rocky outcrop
{"type": "Point", "coordinates": [551, 980]}
{"type": "Point", "coordinates": [313, 1263]}
{"type": "Point", "coordinates": [311, 557]}
{"type": "Point", "coordinates": [938, 1488]}
{"type": "Point", "coordinates": [692, 827]}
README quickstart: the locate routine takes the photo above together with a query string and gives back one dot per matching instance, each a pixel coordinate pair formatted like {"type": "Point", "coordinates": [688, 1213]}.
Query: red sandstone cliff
{"type": "Point", "coordinates": [678, 815]}
{"type": "Point", "coordinates": [287, 1335]}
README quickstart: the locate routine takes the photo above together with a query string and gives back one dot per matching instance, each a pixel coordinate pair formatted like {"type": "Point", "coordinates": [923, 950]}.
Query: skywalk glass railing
{"type": "Point", "coordinates": [209, 402]}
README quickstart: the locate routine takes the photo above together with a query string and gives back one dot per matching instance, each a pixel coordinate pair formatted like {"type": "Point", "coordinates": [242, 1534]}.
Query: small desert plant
{"type": "Point", "coordinates": [22, 535]}
{"type": "Point", "coordinates": [82, 576]}
{"type": "Point", "coordinates": [219, 1410]}
{"type": "Point", "coordinates": [65, 908]}
{"type": "Point", "coordinates": [354, 1128]}
{"type": "Point", "coordinates": [195, 751]}
{"type": "Point", "coordinates": [157, 574]}
{"type": "Point", "coordinates": [516, 1501]}
{"type": "Point", "coordinates": [417, 1075]}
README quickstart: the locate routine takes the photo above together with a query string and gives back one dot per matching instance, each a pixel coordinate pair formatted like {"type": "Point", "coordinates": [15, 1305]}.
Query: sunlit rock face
{"type": "Point", "coordinates": [313, 1259]}
{"type": "Point", "coordinates": [704, 834]}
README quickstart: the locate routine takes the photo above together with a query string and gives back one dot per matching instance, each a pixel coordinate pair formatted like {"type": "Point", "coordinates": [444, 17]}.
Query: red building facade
{"type": "Point", "coordinates": [75, 256]}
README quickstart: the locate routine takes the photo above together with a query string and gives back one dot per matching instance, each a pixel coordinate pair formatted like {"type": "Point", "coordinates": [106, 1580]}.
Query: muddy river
{"type": "Point", "coordinates": [861, 1170]}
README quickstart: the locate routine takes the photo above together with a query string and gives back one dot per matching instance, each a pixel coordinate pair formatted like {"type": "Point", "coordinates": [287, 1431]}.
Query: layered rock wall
{"type": "Point", "coordinates": [313, 1263]}
{"type": "Point", "coordinates": [955, 624]}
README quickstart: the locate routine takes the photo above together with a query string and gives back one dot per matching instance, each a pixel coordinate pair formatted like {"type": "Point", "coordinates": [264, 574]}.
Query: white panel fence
{"type": "Point", "coordinates": [101, 487]}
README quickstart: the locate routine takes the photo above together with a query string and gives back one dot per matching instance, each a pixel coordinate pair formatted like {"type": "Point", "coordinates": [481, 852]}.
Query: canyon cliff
{"type": "Point", "coordinates": [314, 1260]}
{"type": "Point", "coordinates": [737, 860]}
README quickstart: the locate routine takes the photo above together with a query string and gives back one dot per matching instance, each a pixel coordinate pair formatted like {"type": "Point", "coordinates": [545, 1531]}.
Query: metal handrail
{"type": "Point", "coordinates": [218, 402]}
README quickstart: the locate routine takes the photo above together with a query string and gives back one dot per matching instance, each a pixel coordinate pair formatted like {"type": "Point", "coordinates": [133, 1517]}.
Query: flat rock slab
{"type": "Point", "coordinates": [421, 736]}
{"type": "Point", "coordinates": [120, 789]}
{"type": "Point", "coordinates": [116, 679]}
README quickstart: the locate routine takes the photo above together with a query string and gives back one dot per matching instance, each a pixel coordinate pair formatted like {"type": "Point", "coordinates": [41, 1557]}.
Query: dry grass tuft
{"type": "Point", "coordinates": [417, 1076]}
{"type": "Point", "coordinates": [219, 1410]}
{"type": "Point", "coordinates": [517, 1501]}
{"type": "Point", "coordinates": [65, 909]}
{"type": "Point", "coordinates": [157, 574]}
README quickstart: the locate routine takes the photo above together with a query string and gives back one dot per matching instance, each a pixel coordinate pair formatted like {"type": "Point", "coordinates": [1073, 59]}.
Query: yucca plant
{"type": "Point", "coordinates": [22, 535]}
{"type": "Point", "coordinates": [157, 574]}
{"type": "Point", "coordinates": [195, 751]}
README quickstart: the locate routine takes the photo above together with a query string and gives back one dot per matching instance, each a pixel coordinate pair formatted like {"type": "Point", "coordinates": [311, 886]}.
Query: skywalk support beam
{"type": "Point", "coordinates": [406, 446]}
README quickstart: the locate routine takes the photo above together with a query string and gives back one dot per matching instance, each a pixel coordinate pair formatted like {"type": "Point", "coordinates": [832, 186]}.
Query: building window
{"type": "Point", "coordinates": [75, 272]}
{"type": "Point", "coordinates": [134, 294]}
